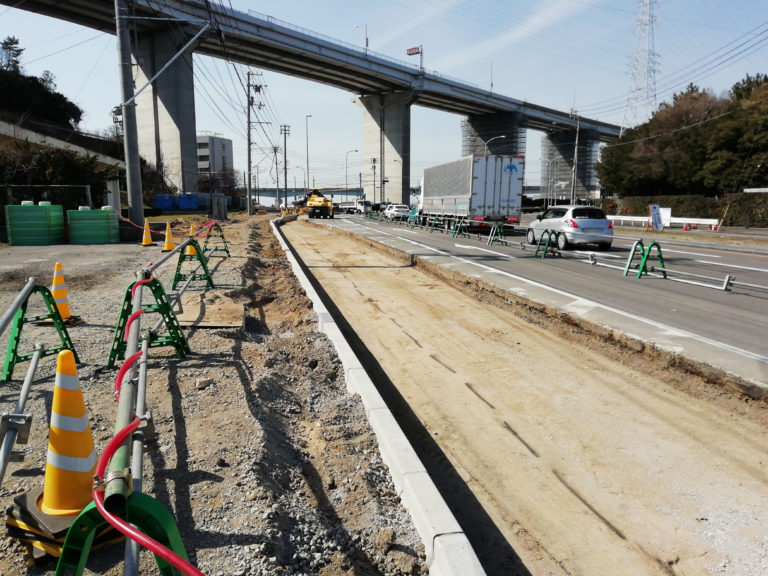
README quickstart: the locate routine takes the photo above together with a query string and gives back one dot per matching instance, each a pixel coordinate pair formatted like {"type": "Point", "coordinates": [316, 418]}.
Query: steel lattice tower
{"type": "Point", "coordinates": [641, 96]}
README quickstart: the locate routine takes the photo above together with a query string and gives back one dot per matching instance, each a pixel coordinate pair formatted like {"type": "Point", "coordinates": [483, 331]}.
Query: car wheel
{"type": "Point", "coordinates": [604, 247]}
{"type": "Point", "coordinates": [530, 236]}
{"type": "Point", "coordinates": [562, 241]}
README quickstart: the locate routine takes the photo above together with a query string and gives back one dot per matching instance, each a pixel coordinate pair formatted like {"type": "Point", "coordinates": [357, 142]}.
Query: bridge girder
{"type": "Point", "coordinates": [264, 43]}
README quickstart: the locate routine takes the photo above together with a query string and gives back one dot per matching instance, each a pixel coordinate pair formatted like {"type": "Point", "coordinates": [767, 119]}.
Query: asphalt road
{"type": "Point", "coordinates": [687, 312]}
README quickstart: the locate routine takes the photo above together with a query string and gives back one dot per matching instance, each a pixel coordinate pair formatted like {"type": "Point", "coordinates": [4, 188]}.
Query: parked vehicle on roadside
{"type": "Point", "coordinates": [396, 212]}
{"type": "Point", "coordinates": [573, 225]}
{"type": "Point", "coordinates": [356, 206]}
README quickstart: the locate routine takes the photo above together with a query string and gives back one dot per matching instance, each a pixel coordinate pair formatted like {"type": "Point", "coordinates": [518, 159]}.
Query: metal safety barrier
{"type": "Point", "coordinates": [123, 477]}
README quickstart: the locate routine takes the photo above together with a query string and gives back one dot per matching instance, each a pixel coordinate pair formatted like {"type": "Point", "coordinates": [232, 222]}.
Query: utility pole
{"type": "Point", "coordinates": [277, 175]}
{"type": "Point", "coordinates": [575, 158]}
{"type": "Point", "coordinates": [285, 129]}
{"type": "Point", "coordinates": [130, 132]}
{"type": "Point", "coordinates": [249, 104]}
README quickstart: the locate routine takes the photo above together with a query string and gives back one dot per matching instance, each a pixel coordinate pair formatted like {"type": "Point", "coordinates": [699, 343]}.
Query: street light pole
{"type": "Point", "coordinates": [491, 140]}
{"type": "Point", "coordinates": [306, 128]}
{"type": "Point", "coordinates": [575, 158]}
{"type": "Point", "coordinates": [366, 35]}
{"type": "Point", "coordinates": [346, 170]}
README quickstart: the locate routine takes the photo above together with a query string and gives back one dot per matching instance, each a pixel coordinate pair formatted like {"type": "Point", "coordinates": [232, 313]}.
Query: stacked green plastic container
{"type": "Point", "coordinates": [30, 225]}
{"type": "Point", "coordinates": [88, 226]}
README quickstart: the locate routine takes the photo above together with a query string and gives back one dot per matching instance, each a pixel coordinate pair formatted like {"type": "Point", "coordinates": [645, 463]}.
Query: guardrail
{"type": "Point", "coordinates": [674, 220]}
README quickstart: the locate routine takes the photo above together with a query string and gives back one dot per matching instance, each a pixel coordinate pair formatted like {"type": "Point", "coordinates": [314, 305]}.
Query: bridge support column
{"type": "Point", "coordinates": [477, 130]}
{"type": "Point", "coordinates": [558, 182]}
{"type": "Point", "coordinates": [165, 112]}
{"type": "Point", "coordinates": [387, 139]}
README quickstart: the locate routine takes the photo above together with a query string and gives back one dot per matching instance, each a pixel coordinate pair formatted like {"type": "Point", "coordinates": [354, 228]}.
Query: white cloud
{"type": "Point", "coordinates": [545, 16]}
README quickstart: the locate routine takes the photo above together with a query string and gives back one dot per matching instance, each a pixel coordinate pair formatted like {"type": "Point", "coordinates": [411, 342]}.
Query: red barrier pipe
{"type": "Point", "coordinates": [131, 318]}
{"type": "Point", "coordinates": [139, 283]}
{"type": "Point", "coordinates": [121, 525]}
{"type": "Point", "coordinates": [121, 373]}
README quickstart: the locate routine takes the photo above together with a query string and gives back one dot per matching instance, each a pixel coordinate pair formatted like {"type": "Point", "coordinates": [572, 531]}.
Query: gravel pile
{"type": "Point", "coordinates": [266, 461]}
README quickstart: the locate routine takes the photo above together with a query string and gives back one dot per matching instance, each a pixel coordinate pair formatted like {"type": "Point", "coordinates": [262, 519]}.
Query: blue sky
{"type": "Point", "coordinates": [562, 54]}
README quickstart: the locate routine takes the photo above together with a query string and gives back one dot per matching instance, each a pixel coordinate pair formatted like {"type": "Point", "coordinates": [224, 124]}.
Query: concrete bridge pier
{"type": "Point", "coordinates": [387, 140]}
{"type": "Point", "coordinates": [165, 111]}
{"type": "Point", "coordinates": [558, 150]}
{"type": "Point", "coordinates": [477, 130]}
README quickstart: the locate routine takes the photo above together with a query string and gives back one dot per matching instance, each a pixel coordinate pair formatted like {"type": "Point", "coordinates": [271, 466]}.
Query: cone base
{"type": "Point", "coordinates": [26, 509]}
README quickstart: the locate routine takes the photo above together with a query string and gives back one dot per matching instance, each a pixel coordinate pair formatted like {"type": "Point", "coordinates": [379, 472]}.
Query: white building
{"type": "Point", "coordinates": [215, 162]}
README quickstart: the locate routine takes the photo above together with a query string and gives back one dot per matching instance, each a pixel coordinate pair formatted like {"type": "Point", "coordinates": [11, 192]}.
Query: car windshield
{"type": "Point", "coordinates": [589, 213]}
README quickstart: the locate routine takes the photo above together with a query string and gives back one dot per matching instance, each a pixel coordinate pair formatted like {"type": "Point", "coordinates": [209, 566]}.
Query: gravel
{"type": "Point", "coordinates": [265, 459]}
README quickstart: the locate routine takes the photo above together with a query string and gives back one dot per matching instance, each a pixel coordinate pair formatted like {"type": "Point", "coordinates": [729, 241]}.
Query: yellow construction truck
{"type": "Point", "coordinates": [318, 206]}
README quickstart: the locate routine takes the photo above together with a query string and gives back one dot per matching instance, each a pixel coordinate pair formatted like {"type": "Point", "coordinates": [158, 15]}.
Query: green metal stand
{"type": "Point", "coordinates": [645, 254]}
{"type": "Point", "coordinates": [200, 257]}
{"type": "Point", "coordinates": [435, 222]}
{"type": "Point", "coordinates": [221, 246]}
{"type": "Point", "coordinates": [20, 318]}
{"type": "Point", "coordinates": [497, 235]}
{"type": "Point", "coordinates": [643, 264]}
{"type": "Point", "coordinates": [460, 229]}
{"type": "Point", "coordinates": [549, 246]}
{"type": "Point", "coordinates": [175, 337]}
{"type": "Point", "coordinates": [143, 511]}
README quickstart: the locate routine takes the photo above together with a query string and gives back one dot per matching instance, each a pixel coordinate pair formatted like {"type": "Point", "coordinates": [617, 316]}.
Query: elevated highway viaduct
{"type": "Point", "coordinates": [385, 88]}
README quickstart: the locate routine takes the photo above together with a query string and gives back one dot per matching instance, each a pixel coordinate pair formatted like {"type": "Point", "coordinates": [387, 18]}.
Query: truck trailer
{"type": "Point", "coordinates": [355, 206]}
{"type": "Point", "coordinates": [482, 189]}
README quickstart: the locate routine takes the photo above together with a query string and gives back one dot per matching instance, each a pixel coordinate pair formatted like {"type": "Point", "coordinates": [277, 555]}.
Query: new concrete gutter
{"type": "Point", "coordinates": [448, 550]}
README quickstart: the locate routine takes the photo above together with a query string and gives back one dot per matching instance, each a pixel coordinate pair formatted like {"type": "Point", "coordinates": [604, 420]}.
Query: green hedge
{"type": "Point", "coordinates": [740, 209]}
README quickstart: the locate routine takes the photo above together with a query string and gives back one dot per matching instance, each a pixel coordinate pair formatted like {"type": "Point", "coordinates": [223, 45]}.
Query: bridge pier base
{"type": "Point", "coordinates": [477, 130]}
{"type": "Point", "coordinates": [387, 139]}
{"type": "Point", "coordinates": [165, 111]}
{"type": "Point", "coordinates": [557, 157]}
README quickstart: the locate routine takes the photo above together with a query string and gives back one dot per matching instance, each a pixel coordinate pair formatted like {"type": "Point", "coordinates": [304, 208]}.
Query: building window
{"type": "Point", "coordinates": [204, 158]}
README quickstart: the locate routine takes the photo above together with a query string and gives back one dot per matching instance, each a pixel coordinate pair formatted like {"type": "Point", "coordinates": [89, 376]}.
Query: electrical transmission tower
{"type": "Point", "coordinates": [641, 96]}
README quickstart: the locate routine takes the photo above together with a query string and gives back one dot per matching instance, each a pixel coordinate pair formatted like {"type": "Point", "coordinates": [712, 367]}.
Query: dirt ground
{"type": "Point", "coordinates": [266, 461]}
{"type": "Point", "coordinates": [589, 458]}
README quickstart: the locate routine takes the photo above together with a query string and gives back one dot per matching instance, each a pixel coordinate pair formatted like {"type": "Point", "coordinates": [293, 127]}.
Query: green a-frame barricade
{"type": "Point", "coordinates": [645, 254]}
{"type": "Point", "coordinates": [13, 356]}
{"type": "Point", "coordinates": [221, 243]}
{"type": "Point", "coordinates": [175, 337]}
{"type": "Point", "coordinates": [550, 245]}
{"type": "Point", "coordinates": [200, 257]}
{"type": "Point", "coordinates": [143, 511]}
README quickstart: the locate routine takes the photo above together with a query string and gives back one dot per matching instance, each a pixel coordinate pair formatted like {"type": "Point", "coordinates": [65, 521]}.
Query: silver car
{"type": "Point", "coordinates": [571, 225]}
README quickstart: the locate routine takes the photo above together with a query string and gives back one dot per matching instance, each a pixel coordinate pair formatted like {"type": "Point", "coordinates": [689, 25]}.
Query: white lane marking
{"type": "Point", "coordinates": [732, 266]}
{"type": "Point", "coordinates": [468, 247]}
{"type": "Point", "coordinates": [578, 300]}
{"type": "Point", "coordinates": [668, 250]}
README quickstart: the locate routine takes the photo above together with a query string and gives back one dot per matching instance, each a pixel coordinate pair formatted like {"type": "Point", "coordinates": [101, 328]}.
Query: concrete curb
{"type": "Point", "coordinates": [448, 550]}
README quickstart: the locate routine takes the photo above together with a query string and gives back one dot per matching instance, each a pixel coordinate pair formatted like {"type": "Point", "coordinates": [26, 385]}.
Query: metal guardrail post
{"type": "Point", "coordinates": [16, 425]}
{"type": "Point", "coordinates": [638, 243]}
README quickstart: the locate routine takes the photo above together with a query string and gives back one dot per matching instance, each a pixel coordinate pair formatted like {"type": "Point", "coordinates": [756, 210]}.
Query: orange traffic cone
{"type": "Point", "coordinates": [168, 245]}
{"type": "Point", "coordinates": [71, 453]}
{"type": "Point", "coordinates": [59, 292]}
{"type": "Point", "coordinates": [191, 249]}
{"type": "Point", "coordinates": [147, 238]}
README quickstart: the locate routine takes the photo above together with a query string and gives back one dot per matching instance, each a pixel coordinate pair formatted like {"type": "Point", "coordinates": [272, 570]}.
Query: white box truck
{"type": "Point", "coordinates": [482, 189]}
